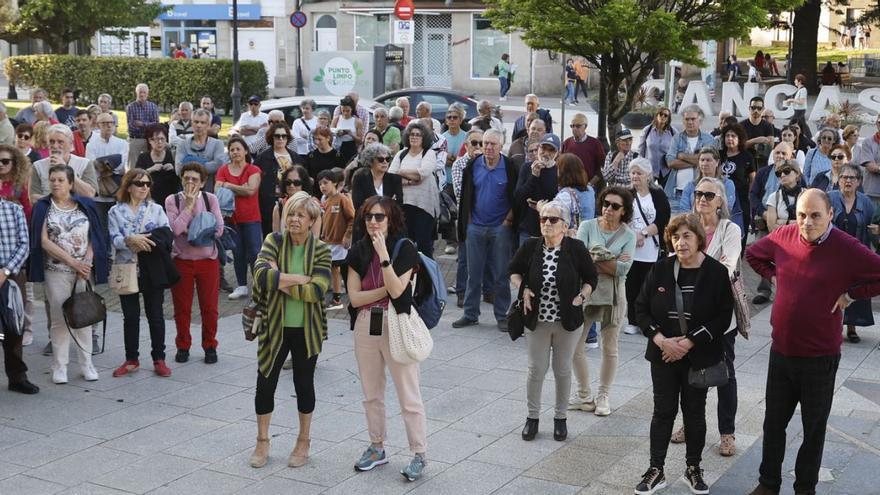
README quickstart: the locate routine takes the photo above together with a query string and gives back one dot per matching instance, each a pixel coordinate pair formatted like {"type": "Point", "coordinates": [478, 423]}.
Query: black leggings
{"type": "Point", "coordinates": [293, 342]}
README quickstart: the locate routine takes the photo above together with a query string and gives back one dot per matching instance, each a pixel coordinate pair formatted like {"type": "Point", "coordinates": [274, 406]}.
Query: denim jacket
{"type": "Point", "coordinates": [123, 223]}
{"type": "Point", "coordinates": [680, 145]}
{"type": "Point", "coordinates": [864, 210]}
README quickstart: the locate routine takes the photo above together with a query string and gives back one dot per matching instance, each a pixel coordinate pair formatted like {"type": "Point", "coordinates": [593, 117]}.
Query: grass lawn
{"type": "Point", "coordinates": [822, 54]}
{"type": "Point", "coordinates": [13, 106]}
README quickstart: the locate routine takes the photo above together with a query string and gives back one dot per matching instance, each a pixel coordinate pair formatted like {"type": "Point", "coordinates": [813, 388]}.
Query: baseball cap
{"type": "Point", "coordinates": [623, 134]}
{"type": "Point", "coordinates": [551, 140]}
{"type": "Point", "coordinates": [254, 98]}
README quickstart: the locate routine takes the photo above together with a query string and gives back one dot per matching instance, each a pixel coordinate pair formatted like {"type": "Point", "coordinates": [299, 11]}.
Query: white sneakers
{"type": "Point", "coordinates": [601, 406]}
{"type": "Point", "coordinates": [90, 373]}
{"type": "Point", "coordinates": [27, 338]}
{"type": "Point", "coordinates": [59, 376]}
{"type": "Point", "coordinates": [239, 292]}
{"type": "Point", "coordinates": [631, 330]}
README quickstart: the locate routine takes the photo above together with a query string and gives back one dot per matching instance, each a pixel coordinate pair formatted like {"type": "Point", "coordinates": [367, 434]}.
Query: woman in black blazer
{"type": "Point", "coordinates": [272, 161]}
{"type": "Point", "coordinates": [372, 177]}
{"type": "Point", "coordinates": [707, 307]}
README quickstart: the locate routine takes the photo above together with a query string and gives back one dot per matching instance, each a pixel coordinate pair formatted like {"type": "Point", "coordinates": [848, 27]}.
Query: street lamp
{"type": "Point", "coordinates": [236, 90]}
{"type": "Point", "coordinates": [299, 73]}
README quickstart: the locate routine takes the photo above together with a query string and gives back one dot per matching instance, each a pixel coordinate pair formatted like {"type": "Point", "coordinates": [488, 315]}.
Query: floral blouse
{"type": "Point", "coordinates": [124, 222]}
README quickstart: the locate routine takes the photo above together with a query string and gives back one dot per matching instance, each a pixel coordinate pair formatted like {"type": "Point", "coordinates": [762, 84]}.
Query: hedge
{"type": "Point", "coordinates": [171, 81]}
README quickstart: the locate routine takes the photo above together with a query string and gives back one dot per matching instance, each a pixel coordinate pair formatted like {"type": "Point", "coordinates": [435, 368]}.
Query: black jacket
{"type": "Point", "coordinates": [362, 187]}
{"type": "Point", "coordinates": [466, 202]}
{"type": "Point", "coordinates": [156, 269]}
{"type": "Point", "coordinates": [711, 310]}
{"type": "Point", "coordinates": [268, 184]}
{"type": "Point", "coordinates": [542, 188]}
{"type": "Point", "coordinates": [574, 268]}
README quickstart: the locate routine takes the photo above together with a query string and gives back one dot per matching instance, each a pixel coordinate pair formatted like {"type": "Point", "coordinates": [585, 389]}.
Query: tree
{"type": "Point", "coordinates": [803, 41]}
{"type": "Point", "coordinates": [61, 22]}
{"type": "Point", "coordinates": [625, 38]}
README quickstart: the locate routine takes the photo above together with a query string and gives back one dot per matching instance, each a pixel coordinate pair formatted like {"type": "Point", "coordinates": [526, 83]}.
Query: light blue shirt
{"type": "Point", "coordinates": [680, 145]}
{"type": "Point", "coordinates": [123, 222]}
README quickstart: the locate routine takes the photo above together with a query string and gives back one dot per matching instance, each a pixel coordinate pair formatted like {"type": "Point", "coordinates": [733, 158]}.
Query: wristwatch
{"type": "Point", "coordinates": [7, 272]}
{"type": "Point", "coordinates": [385, 264]}
{"type": "Point", "coordinates": [644, 232]}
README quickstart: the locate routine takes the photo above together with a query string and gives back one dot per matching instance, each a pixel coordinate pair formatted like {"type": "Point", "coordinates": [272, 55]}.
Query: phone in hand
{"type": "Point", "coordinates": [376, 316]}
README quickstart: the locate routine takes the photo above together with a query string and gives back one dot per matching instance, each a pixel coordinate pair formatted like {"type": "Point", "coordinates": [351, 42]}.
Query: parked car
{"type": "Point", "coordinates": [439, 98]}
{"type": "Point", "coordinates": [290, 105]}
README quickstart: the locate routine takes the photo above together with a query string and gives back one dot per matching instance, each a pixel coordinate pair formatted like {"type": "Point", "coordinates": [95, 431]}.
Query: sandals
{"type": "Point", "coordinates": [258, 459]}
{"type": "Point", "coordinates": [300, 454]}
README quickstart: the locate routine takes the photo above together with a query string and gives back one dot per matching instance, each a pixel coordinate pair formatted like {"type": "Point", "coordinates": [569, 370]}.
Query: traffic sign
{"type": "Point", "coordinates": [403, 32]}
{"type": "Point", "coordinates": [404, 9]}
{"type": "Point", "coordinates": [298, 19]}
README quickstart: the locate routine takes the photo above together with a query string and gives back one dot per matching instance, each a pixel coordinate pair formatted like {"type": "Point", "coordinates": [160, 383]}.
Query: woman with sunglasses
{"type": "Point", "coordinates": [375, 280]}
{"type": "Point", "coordinates": [706, 309]}
{"type": "Point", "coordinates": [15, 172]}
{"type": "Point", "coordinates": [273, 162]}
{"type": "Point", "coordinates": [817, 161]}
{"type": "Point", "coordinates": [611, 243]}
{"type": "Point", "coordinates": [555, 277]}
{"type": "Point", "coordinates": [372, 177]}
{"type": "Point", "coordinates": [655, 143]}
{"type": "Point", "coordinates": [828, 181]}
{"type": "Point", "coordinates": [159, 162]}
{"type": "Point", "coordinates": [781, 204]}
{"type": "Point", "coordinates": [24, 141]}
{"type": "Point", "coordinates": [293, 180]}
{"type": "Point", "coordinates": [709, 165]}
{"type": "Point", "coordinates": [853, 212]}
{"type": "Point", "coordinates": [131, 221]}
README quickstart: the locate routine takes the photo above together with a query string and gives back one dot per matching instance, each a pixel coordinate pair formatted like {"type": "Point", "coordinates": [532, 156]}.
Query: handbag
{"type": "Point", "coordinates": [516, 319]}
{"type": "Point", "coordinates": [252, 321]}
{"type": "Point", "coordinates": [712, 376]}
{"type": "Point", "coordinates": [408, 337]}
{"type": "Point", "coordinates": [84, 309]}
{"type": "Point", "coordinates": [124, 278]}
{"type": "Point", "coordinates": [741, 309]}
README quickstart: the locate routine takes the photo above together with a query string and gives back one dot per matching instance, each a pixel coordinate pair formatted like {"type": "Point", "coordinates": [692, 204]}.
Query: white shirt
{"type": "Point", "coordinates": [649, 251]}
{"type": "Point", "coordinates": [97, 148]}
{"type": "Point", "coordinates": [686, 175]}
{"type": "Point", "coordinates": [250, 120]}
{"type": "Point", "coordinates": [302, 134]}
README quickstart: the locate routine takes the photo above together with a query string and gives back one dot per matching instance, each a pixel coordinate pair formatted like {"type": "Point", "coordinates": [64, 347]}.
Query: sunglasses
{"type": "Point", "coordinates": [141, 183]}
{"type": "Point", "coordinates": [755, 109]}
{"type": "Point", "coordinates": [192, 179]}
{"type": "Point", "coordinates": [784, 171]}
{"type": "Point", "coordinates": [842, 177]}
{"type": "Point", "coordinates": [663, 115]}
{"type": "Point", "coordinates": [378, 217]}
{"type": "Point", "coordinates": [415, 134]}
{"type": "Point", "coordinates": [253, 103]}
{"type": "Point", "coordinates": [552, 220]}
{"type": "Point", "coordinates": [709, 195]}
{"type": "Point", "coordinates": [295, 182]}
{"type": "Point", "coordinates": [24, 136]}
{"type": "Point", "coordinates": [613, 206]}
{"type": "Point", "coordinates": [826, 138]}
{"type": "Point", "coordinates": [382, 159]}
{"type": "Point", "coordinates": [837, 157]}
{"type": "Point", "coordinates": [279, 136]}
{"type": "Point", "coordinates": [476, 144]}
{"type": "Point", "coordinates": [5, 161]}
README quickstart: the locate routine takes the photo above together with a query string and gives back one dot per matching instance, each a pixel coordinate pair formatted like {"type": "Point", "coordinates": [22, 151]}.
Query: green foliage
{"type": "Point", "coordinates": [171, 81]}
{"type": "Point", "coordinates": [59, 23]}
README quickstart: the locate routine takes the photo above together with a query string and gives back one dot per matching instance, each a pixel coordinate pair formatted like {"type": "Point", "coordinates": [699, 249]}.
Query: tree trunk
{"type": "Point", "coordinates": [803, 42]}
{"type": "Point", "coordinates": [602, 131]}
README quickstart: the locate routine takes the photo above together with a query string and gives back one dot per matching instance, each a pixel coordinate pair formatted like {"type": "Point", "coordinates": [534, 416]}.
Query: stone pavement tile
{"type": "Point", "coordinates": [447, 376]}
{"type": "Point", "coordinates": [7, 470]}
{"type": "Point", "coordinates": [470, 477]}
{"type": "Point", "coordinates": [395, 433]}
{"type": "Point", "coordinates": [83, 466]}
{"type": "Point", "coordinates": [612, 445]}
{"type": "Point", "coordinates": [636, 374]}
{"type": "Point", "coordinates": [198, 395]}
{"type": "Point", "coordinates": [640, 406]}
{"type": "Point", "coordinates": [274, 485]}
{"type": "Point", "coordinates": [279, 448]}
{"type": "Point", "coordinates": [492, 356]}
{"type": "Point", "coordinates": [196, 371]}
{"type": "Point", "coordinates": [231, 408]}
{"type": "Point", "coordinates": [524, 484]}
{"type": "Point", "coordinates": [126, 420]}
{"type": "Point", "coordinates": [336, 426]}
{"type": "Point", "coordinates": [10, 436]}
{"type": "Point", "coordinates": [203, 483]}
{"type": "Point", "coordinates": [448, 348]}
{"type": "Point", "coordinates": [348, 391]}
{"type": "Point", "coordinates": [451, 445]}
{"type": "Point", "coordinates": [26, 485]}
{"type": "Point", "coordinates": [162, 435]}
{"type": "Point", "coordinates": [618, 425]}
{"type": "Point", "coordinates": [498, 380]}
{"type": "Point", "coordinates": [332, 466]}
{"type": "Point", "coordinates": [40, 451]}
{"type": "Point", "coordinates": [599, 488]}
{"type": "Point", "coordinates": [497, 418]}
{"type": "Point", "coordinates": [457, 403]}
{"type": "Point", "coordinates": [92, 489]}
{"type": "Point", "coordinates": [149, 473]}
{"type": "Point", "coordinates": [846, 400]}
{"type": "Point", "coordinates": [217, 445]}
{"type": "Point", "coordinates": [143, 389]}
{"type": "Point", "coordinates": [237, 378]}
{"type": "Point", "coordinates": [387, 480]}
{"type": "Point", "coordinates": [48, 416]}
{"type": "Point", "coordinates": [326, 377]}
{"type": "Point", "coordinates": [869, 389]}
{"type": "Point", "coordinates": [572, 466]}
{"type": "Point", "coordinates": [512, 451]}
{"type": "Point", "coordinates": [860, 475]}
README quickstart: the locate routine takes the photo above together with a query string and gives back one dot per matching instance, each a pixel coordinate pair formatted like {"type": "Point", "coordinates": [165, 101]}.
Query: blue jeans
{"type": "Point", "coordinates": [569, 92]}
{"type": "Point", "coordinates": [250, 240]}
{"type": "Point", "coordinates": [505, 85]}
{"type": "Point", "coordinates": [461, 274]}
{"type": "Point", "coordinates": [487, 245]}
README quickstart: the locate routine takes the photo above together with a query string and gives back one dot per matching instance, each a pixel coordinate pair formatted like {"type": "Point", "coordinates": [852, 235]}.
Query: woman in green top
{"type": "Point", "coordinates": [504, 75]}
{"type": "Point", "coordinates": [291, 276]}
{"type": "Point", "coordinates": [611, 243]}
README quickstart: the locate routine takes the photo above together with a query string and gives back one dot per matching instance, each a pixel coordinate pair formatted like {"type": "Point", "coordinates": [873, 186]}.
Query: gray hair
{"type": "Point", "coordinates": [201, 112]}
{"type": "Point", "coordinates": [37, 91]}
{"type": "Point", "coordinates": [425, 105]}
{"type": "Point", "coordinates": [380, 112]}
{"type": "Point", "coordinates": [456, 108]}
{"type": "Point", "coordinates": [60, 129]}
{"type": "Point", "coordinates": [105, 95]}
{"type": "Point", "coordinates": [693, 109]}
{"type": "Point", "coordinates": [323, 113]}
{"type": "Point", "coordinates": [563, 210]}
{"type": "Point", "coordinates": [855, 169]}
{"type": "Point", "coordinates": [484, 104]}
{"type": "Point", "coordinates": [276, 113]}
{"type": "Point", "coordinates": [371, 152]}
{"type": "Point", "coordinates": [395, 113]}
{"type": "Point", "coordinates": [494, 132]}
{"type": "Point", "coordinates": [642, 164]}
{"type": "Point", "coordinates": [141, 85]}
{"type": "Point", "coordinates": [43, 106]}
{"type": "Point", "coordinates": [185, 105]}
{"type": "Point", "coordinates": [308, 102]}
{"type": "Point", "coordinates": [402, 98]}
{"type": "Point", "coordinates": [721, 191]}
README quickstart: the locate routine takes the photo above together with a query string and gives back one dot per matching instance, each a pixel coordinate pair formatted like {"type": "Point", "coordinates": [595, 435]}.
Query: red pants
{"type": "Point", "coordinates": [206, 276]}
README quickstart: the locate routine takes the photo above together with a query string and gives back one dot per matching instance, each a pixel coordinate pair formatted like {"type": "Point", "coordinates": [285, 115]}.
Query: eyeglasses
{"type": "Point", "coordinates": [577, 126]}
{"type": "Point", "coordinates": [663, 114]}
{"type": "Point", "coordinates": [377, 217]}
{"type": "Point", "coordinates": [826, 138]}
{"type": "Point", "coordinates": [24, 137]}
{"type": "Point", "coordinates": [295, 182]}
{"type": "Point", "coordinates": [279, 136]}
{"type": "Point", "coordinates": [105, 123]}
{"type": "Point", "coordinates": [842, 177]}
{"type": "Point", "coordinates": [452, 117]}
{"type": "Point", "coordinates": [382, 159]}
{"type": "Point", "coordinates": [6, 161]}
{"type": "Point", "coordinates": [709, 195]}
{"type": "Point", "coordinates": [755, 109]}
{"type": "Point", "coordinates": [552, 220]}
{"type": "Point", "coordinates": [784, 171]}
{"type": "Point", "coordinates": [476, 144]}
{"type": "Point", "coordinates": [837, 157]}
{"type": "Point", "coordinates": [191, 179]}
{"type": "Point", "coordinates": [613, 206]}
{"type": "Point", "coordinates": [415, 134]}
{"type": "Point", "coordinates": [141, 183]}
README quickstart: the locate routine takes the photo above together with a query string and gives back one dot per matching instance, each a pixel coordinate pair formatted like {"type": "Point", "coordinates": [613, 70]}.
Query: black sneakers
{"type": "Point", "coordinates": [693, 476]}
{"type": "Point", "coordinates": [652, 480]}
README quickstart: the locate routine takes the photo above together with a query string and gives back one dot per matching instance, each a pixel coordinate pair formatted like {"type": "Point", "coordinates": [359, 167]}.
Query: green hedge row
{"type": "Point", "coordinates": [171, 81]}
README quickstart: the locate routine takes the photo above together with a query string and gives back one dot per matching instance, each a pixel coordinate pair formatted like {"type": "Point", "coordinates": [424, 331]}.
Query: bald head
{"type": "Point", "coordinates": [814, 214]}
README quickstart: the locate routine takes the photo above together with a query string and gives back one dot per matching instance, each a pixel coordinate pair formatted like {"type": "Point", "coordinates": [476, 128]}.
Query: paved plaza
{"type": "Point", "coordinates": [193, 433]}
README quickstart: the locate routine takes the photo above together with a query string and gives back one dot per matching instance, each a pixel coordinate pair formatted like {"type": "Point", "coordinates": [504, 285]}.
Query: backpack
{"type": "Point", "coordinates": [429, 290]}
{"type": "Point", "coordinates": [495, 70]}
{"type": "Point", "coordinates": [201, 231]}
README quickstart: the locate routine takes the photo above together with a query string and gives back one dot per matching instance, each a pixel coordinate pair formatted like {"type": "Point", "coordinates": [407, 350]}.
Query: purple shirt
{"type": "Point", "coordinates": [147, 112]}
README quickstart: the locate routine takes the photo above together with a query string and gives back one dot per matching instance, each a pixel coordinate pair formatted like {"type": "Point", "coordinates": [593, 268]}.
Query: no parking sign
{"type": "Point", "coordinates": [403, 32]}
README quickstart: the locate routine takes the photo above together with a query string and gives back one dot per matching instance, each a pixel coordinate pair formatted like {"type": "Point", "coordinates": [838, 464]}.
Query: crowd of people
{"type": "Point", "coordinates": [645, 239]}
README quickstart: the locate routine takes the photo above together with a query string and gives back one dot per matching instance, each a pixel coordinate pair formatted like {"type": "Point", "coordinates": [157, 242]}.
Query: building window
{"type": "Point", "coordinates": [487, 47]}
{"type": "Point", "coordinates": [371, 31]}
{"type": "Point", "coordinates": [199, 35]}
{"type": "Point", "coordinates": [325, 34]}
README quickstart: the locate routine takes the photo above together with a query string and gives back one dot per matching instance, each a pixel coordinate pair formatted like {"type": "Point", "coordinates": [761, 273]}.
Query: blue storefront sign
{"type": "Point", "coordinates": [217, 12]}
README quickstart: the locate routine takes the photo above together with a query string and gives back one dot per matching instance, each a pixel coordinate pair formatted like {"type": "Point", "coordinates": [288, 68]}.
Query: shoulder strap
{"type": "Point", "coordinates": [397, 246]}
{"type": "Point", "coordinates": [615, 236]}
{"type": "Point", "coordinates": [679, 300]}
{"type": "Point", "coordinates": [644, 217]}
{"type": "Point", "coordinates": [177, 200]}
{"type": "Point", "coordinates": [207, 204]}
{"type": "Point", "coordinates": [306, 124]}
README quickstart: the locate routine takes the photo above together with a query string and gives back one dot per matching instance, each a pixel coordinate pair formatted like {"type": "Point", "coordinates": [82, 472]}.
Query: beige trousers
{"type": "Point", "coordinates": [373, 355]}
{"type": "Point", "coordinates": [58, 286]}
{"type": "Point", "coordinates": [609, 332]}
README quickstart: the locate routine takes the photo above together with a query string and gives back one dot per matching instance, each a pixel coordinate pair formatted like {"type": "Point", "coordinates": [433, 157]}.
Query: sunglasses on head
{"type": "Point", "coordinates": [784, 171]}
{"type": "Point", "coordinates": [476, 143]}
{"type": "Point", "coordinates": [24, 136]}
{"type": "Point", "coordinates": [382, 159]}
{"type": "Point", "coordinates": [294, 182]}
{"type": "Point", "coordinates": [5, 161]}
{"type": "Point", "coordinates": [552, 220]}
{"type": "Point", "coordinates": [837, 157]}
{"type": "Point", "coordinates": [709, 195]}
{"type": "Point", "coordinates": [378, 217]}
{"type": "Point", "coordinates": [613, 206]}
{"type": "Point", "coordinates": [141, 183]}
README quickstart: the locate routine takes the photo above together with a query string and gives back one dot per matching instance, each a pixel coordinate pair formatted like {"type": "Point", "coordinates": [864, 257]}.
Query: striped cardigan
{"type": "Point", "coordinates": [276, 251]}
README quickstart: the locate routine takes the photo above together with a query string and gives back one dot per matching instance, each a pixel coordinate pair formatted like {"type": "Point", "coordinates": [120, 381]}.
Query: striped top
{"type": "Point", "coordinates": [277, 250]}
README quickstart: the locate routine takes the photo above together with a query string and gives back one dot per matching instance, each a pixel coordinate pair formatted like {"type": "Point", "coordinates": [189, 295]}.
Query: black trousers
{"type": "Point", "coordinates": [581, 85]}
{"type": "Point", "coordinates": [670, 388]}
{"type": "Point", "coordinates": [16, 370]}
{"type": "Point", "coordinates": [293, 341]}
{"type": "Point", "coordinates": [421, 227]}
{"type": "Point", "coordinates": [634, 280]}
{"type": "Point", "coordinates": [800, 118]}
{"type": "Point", "coordinates": [792, 381]}
{"type": "Point", "coordinates": [131, 322]}
{"type": "Point", "coordinates": [727, 396]}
